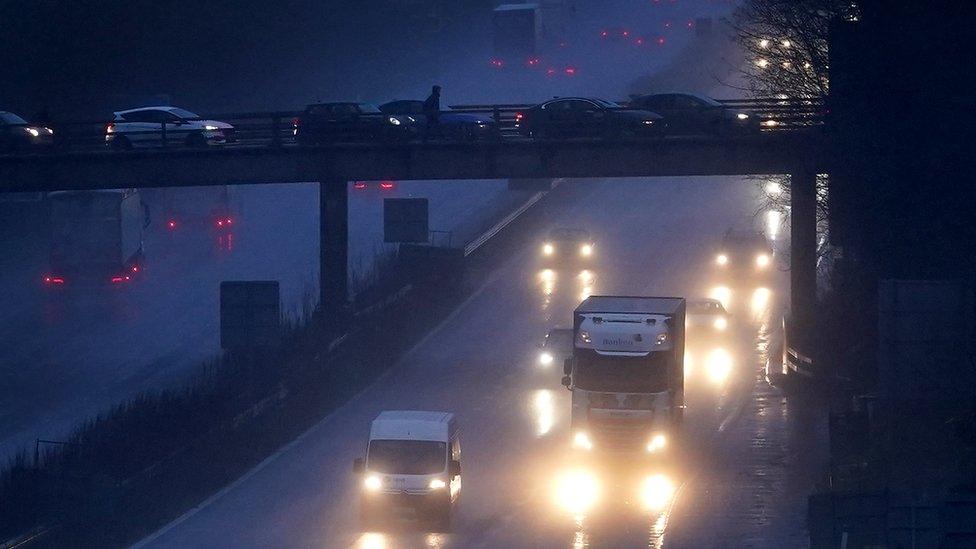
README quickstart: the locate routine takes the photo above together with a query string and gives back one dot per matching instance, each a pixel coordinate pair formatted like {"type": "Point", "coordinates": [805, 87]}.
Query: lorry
{"type": "Point", "coordinates": [188, 207]}
{"type": "Point", "coordinates": [96, 237]}
{"type": "Point", "coordinates": [516, 31]}
{"type": "Point", "coordinates": [626, 374]}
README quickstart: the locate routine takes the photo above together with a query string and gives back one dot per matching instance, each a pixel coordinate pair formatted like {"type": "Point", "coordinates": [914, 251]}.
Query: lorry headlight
{"type": "Point", "coordinates": [586, 250]}
{"type": "Point", "coordinates": [577, 491]}
{"type": "Point", "coordinates": [372, 483]}
{"type": "Point", "coordinates": [656, 492]}
{"type": "Point", "coordinates": [545, 358]}
{"type": "Point", "coordinates": [437, 484]}
{"type": "Point", "coordinates": [722, 259]}
{"type": "Point", "coordinates": [657, 443]}
{"type": "Point", "coordinates": [720, 323]}
{"type": "Point", "coordinates": [762, 261]}
{"type": "Point", "coordinates": [585, 336]}
{"type": "Point", "coordinates": [548, 249]}
{"type": "Point", "coordinates": [582, 441]}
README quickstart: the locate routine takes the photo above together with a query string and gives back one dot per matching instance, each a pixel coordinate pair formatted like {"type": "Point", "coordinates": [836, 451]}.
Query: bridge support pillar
{"type": "Point", "coordinates": [333, 245]}
{"type": "Point", "coordinates": [803, 256]}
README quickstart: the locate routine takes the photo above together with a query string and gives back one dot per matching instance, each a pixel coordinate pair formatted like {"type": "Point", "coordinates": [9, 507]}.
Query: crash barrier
{"type": "Point", "coordinates": [278, 128]}
{"type": "Point", "coordinates": [888, 519]}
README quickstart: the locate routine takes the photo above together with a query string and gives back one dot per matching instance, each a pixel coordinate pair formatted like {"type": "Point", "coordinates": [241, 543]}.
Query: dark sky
{"type": "Point", "coordinates": [94, 56]}
{"type": "Point", "coordinates": [83, 59]}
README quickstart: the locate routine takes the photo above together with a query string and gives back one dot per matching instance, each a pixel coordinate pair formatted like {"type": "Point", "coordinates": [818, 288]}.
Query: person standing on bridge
{"type": "Point", "coordinates": [432, 111]}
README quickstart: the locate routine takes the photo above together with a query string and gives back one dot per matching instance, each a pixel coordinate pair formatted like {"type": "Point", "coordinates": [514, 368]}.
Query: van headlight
{"type": "Point", "coordinates": [582, 441]}
{"type": "Point", "coordinates": [372, 483]}
{"type": "Point", "coordinates": [437, 484]}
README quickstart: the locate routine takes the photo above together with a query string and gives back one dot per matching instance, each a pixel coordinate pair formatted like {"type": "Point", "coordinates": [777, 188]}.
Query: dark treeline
{"type": "Point", "coordinates": [88, 57]}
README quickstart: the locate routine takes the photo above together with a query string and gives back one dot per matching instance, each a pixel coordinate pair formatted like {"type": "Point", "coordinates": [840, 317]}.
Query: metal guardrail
{"type": "Point", "coordinates": [276, 128]}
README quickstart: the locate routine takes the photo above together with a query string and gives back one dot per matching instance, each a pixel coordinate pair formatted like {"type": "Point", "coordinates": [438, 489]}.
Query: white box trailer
{"type": "Point", "coordinates": [627, 372]}
{"type": "Point", "coordinates": [96, 237]}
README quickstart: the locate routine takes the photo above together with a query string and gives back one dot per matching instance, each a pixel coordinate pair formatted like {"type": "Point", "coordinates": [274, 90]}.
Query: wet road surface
{"type": "Point", "coordinates": [747, 462]}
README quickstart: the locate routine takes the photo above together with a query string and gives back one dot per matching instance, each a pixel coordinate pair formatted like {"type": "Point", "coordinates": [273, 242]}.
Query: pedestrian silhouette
{"type": "Point", "coordinates": [432, 111]}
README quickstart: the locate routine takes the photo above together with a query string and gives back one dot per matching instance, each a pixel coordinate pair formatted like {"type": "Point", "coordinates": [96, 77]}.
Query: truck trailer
{"type": "Point", "coordinates": [96, 237]}
{"type": "Point", "coordinates": [627, 373]}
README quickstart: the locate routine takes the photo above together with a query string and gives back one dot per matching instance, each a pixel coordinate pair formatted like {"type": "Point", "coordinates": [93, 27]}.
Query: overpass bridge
{"type": "Point", "coordinates": [267, 154]}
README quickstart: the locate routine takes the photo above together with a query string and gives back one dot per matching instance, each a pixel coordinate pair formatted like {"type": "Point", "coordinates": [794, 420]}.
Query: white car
{"type": "Point", "coordinates": [144, 127]}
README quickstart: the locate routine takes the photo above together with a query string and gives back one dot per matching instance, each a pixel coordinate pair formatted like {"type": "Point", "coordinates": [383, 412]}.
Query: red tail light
{"type": "Point", "coordinates": [229, 221]}
{"type": "Point", "coordinates": [532, 61]}
{"type": "Point", "coordinates": [53, 280]}
{"type": "Point", "coordinates": [171, 224]}
{"type": "Point", "coordinates": [110, 128]}
{"type": "Point", "coordinates": [296, 121]}
{"type": "Point", "coordinates": [135, 268]}
{"type": "Point", "coordinates": [519, 116]}
{"type": "Point", "coordinates": [570, 71]}
{"type": "Point", "coordinates": [120, 279]}
{"type": "Point", "coordinates": [626, 33]}
{"type": "Point", "coordinates": [386, 185]}
{"type": "Point", "coordinates": [497, 63]}
{"type": "Point", "coordinates": [603, 34]}
{"type": "Point", "coordinates": [359, 185]}
{"type": "Point", "coordinates": [660, 40]}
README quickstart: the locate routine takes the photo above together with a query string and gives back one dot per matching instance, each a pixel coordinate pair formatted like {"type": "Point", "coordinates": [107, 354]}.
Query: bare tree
{"type": "Point", "coordinates": [785, 43]}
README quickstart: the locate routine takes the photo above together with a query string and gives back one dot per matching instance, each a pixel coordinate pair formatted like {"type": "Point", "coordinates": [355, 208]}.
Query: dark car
{"type": "Point", "coordinates": [567, 244]}
{"type": "Point", "coordinates": [745, 252]}
{"type": "Point", "coordinates": [461, 126]}
{"type": "Point", "coordinates": [323, 123]}
{"type": "Point", "coordinates": [689, 113]}
{"type": "Point", "coordinates": [18, 135]}
{"type": "Point", "coordinates": [587, 117]}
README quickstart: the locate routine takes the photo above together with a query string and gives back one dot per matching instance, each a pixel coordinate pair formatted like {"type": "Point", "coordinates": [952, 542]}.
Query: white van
{"type": "Point", "coordinates": [412, 467]}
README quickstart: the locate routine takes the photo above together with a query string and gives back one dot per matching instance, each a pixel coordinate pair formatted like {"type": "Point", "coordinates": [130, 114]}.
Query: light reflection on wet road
{"type": "Point", "coordinates": [523, 486]}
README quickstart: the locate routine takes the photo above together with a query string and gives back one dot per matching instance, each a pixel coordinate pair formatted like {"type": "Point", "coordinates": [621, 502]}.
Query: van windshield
{"type": "Point", "coordinates": [406, 457]}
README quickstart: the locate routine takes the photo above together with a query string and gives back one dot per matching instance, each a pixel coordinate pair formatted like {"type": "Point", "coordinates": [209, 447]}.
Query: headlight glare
{"type": "Point", "coordinates": [582, 441]}
{"type": "Point", "coordinates": [722, 259]}
{"type": "Point", "coordinates": [437, 484]}
{"type": "Point", "coordinates": [372, 483]}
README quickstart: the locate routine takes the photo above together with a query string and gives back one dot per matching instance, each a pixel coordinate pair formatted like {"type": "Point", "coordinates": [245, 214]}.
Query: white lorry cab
{"type": "Point", "coordinates": [412, 467]}
{"type": "Point", "coordinates": [626, 373]}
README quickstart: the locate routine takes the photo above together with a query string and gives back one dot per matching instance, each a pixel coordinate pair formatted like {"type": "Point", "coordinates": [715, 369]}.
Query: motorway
{"type": "Point", "coordinates": [66, 356]}
{"type": "Point", "coordinates": [750, 458]}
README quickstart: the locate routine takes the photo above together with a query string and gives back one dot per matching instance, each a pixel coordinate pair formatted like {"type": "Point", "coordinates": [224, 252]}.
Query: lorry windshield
{"type": "Point", "coordinates": [406, 457]}
{"type": "Point", "coordinates": [621, 374]}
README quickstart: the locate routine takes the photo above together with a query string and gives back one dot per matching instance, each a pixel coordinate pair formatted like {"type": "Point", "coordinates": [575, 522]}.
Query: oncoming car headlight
{"type": "Point", "coordinates": [657, 443]}
{"type": "Point", "coordinates": [545, 358]}
{"type": "Point", "coordinates": [586, 249]}
{"type": "Point", "coordinates": [720, 323]}
{"type": "Point", "coordinates": [548, 249]}
{"type": "Point", "coordinates": [722, 259]}
{"type": "Point", "coordinates": [762, 261]}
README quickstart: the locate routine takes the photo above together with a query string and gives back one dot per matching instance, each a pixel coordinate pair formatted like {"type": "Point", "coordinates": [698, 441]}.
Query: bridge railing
{"type": "Point", "coordinates": [275, 129]}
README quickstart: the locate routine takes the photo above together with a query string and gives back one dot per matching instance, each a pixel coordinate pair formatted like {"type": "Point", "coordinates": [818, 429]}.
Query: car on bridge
{"type": "Point", "coordinates": [17, 135]}
{"type": "Point", "coordinates": [693, 114]}
{"type": "Point", "coordinates": [165, 125]}
{"type": "Point", "coordinates": [460, 126]}
{"type": "Point", "coordinates": [587, 117]}
{"type": "Point", "coordinates": [745, 252]}
{"type": "Point", "coordinates": [412, 466]}
{"type": "Point", "coordinates": [567, 245]}
{"type": "Point", "coordinates": [349, 122]}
